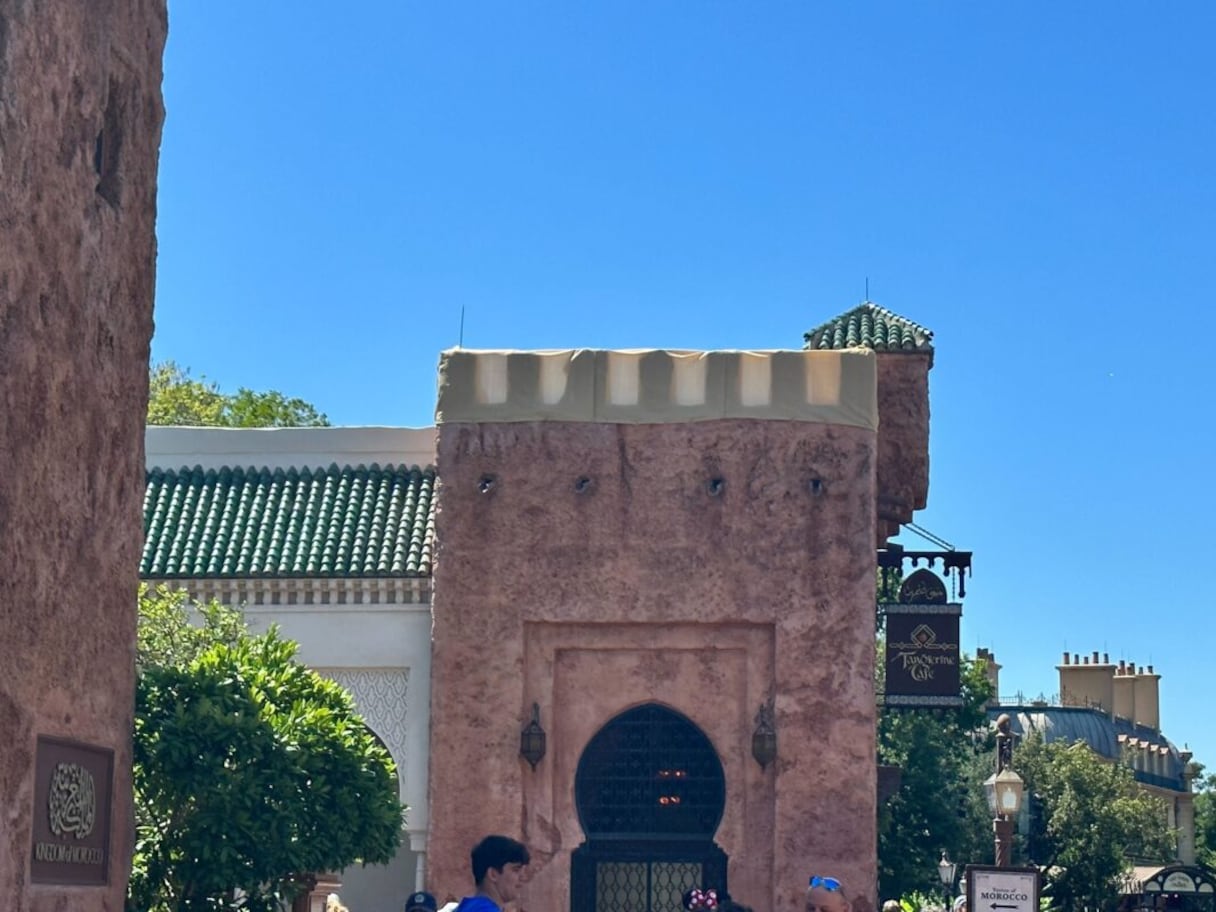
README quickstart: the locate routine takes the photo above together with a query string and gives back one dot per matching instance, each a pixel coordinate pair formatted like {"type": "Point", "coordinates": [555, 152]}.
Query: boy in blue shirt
{"type": "Point", "coordinates": [498, 869]}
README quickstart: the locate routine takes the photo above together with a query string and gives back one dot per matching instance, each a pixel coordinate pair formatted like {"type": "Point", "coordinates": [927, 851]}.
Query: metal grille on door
{"type": "Point", "coordinates": [650, 793]}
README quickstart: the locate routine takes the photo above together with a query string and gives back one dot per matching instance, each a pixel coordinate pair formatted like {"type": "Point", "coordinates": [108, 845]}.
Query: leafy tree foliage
{"type": "Point", "coordinates": [175, 397]}
{"type": "Point", "coordinates": [940, 805]}
{"type": "Point", "coordinates": [1093, 819]}
{"type": "Point", "coordinates": [1205, 821]}
{"type": "Point", "coordinates": [249, 768]}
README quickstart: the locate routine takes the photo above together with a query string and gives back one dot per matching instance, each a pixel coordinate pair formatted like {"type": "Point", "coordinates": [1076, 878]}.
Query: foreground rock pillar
{"type": "Point", "coordinates": [80, 122]}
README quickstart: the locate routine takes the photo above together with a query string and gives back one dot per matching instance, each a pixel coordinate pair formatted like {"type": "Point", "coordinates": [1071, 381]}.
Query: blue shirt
{"type": "Point", "coordinates": [478, 904]}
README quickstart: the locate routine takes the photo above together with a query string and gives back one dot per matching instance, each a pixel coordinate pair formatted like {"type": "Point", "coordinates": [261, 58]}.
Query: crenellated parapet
{"type": "Point", "coordinates": [658, 386]}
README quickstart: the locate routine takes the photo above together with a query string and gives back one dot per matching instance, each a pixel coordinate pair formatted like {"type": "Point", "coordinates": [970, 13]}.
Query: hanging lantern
{"type": "Point", "coordinates": [532, 739]}
{"type": "Point", "coordinates": [764, 738]}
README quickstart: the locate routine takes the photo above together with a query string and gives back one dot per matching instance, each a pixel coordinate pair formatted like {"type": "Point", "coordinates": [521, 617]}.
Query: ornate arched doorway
{"type": "Point", "coordinates": [650, 793]}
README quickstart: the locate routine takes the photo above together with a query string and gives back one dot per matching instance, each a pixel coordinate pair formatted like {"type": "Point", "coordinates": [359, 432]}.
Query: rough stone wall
{"type": "Point", "coordinates": [647, 587]}
{"type": "Point", "coordinates": [80, 121]}
{"type": "Point", "coordinates": [903, 438]}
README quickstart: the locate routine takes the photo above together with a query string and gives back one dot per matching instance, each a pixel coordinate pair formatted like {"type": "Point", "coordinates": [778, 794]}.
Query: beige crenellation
{"type": "Point", "coordinates": [658, 386]}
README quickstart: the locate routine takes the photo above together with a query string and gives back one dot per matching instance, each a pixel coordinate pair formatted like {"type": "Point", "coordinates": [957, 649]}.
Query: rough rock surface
{"type": "Point", "coordinates": [647, 587]}
{"type": "Point", "coordinates": [903, 438]}
{"type": "Point", "coordinates": [80, 121]}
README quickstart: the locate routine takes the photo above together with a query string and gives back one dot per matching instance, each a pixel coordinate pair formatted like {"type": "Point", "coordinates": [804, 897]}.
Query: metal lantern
{"type": "Point", "coordinates": [764, 738]}
{"type": "Point", "coordinates": [1004, 791]}
{"type": "Point", "coordinates": [532, 739]}
{"type": "Point", "coordinates": [945, 870]}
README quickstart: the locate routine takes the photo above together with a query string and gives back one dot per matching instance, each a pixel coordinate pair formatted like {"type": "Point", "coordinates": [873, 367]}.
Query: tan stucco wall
{"type": "Point", "coordinates": [650, 589]}
{"type": "Point", "coordinates": [77, 255]}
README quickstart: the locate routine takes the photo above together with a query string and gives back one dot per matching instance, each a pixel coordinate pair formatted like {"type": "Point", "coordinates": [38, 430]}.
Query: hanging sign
{"type": "Point", "coordinates": [922, 659]}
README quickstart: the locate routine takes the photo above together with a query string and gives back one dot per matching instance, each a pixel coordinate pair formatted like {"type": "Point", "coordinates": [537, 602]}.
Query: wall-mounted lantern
{"type": "Point", "coordinates": [764, 738]}
{"type": "Point", "coordinates": [532, 739]}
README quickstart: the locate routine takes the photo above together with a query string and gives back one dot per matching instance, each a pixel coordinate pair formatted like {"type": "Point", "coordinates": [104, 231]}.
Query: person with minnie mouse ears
{"type": "Point", "coordinates": [696, 900]}
{"type": "Point", "coordinates": [711, 901]}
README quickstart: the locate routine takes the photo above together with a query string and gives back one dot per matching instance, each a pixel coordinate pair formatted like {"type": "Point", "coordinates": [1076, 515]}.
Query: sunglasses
{"type": "Point", "coordinates": [831, 884]}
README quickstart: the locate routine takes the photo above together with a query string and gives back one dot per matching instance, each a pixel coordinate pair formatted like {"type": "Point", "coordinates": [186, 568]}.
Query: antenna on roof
{"type": "Point", "coordinates": [460, 340]}
{"type": "Point", "coordinates": [867, 288]}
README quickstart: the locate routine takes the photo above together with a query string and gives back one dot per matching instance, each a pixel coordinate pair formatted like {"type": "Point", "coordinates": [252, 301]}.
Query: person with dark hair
{"type": "Point", "coordinates": [498, 870]}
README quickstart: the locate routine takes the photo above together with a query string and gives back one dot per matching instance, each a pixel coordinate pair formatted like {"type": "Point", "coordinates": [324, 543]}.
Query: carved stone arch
{"type": "Point", "coordinates": [380, 697]}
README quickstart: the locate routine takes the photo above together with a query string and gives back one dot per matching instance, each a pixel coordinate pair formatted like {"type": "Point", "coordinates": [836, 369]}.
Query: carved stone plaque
{"type": "Point", "coordinates": [72, 787]}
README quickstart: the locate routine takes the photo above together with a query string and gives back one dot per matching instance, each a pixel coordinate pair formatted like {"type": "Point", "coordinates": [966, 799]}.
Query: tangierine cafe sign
{"type": "Point", "coordinates": [72, 789]}
{"type": "Point", "coordinates": [922, 658]}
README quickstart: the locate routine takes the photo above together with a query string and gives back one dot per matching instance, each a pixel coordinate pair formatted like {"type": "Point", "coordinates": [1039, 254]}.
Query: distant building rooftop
{"type": "Point", "coordinates": [1105, 735]}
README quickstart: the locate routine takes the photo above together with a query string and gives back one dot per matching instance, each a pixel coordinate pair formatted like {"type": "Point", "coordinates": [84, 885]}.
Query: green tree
{"type": "Point", "coordinates": [249, 769]}
{"type": "Point", "coordinates": [1205, 821]}
{"type": "Point", "coordinates": [940, 804]}
{"type": "Point", "coordinates": [175, 397]}
{"type": "Point", "coordinates": [1093, 819]}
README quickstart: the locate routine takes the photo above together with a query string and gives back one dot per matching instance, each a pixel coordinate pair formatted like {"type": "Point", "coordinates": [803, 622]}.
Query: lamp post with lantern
{"type": "Point", "coordinates": [1004, 789]}
{"type": "Point", "coordinates": [945, 870]}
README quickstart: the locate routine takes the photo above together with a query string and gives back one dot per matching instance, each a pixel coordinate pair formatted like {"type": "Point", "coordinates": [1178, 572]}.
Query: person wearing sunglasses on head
{"type": "Point", "coordinates": [825, 894]}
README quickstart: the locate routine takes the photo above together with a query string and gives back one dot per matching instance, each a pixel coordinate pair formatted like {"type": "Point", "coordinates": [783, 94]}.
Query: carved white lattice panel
{"type": "Point", "coordinates": [380, 698]}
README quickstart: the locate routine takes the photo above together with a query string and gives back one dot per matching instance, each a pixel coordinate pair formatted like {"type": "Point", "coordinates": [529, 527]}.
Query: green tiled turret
{"type": "Point", "coordinates": [364, 521]}
{"type": "Point", "coordinates": [873, 327]}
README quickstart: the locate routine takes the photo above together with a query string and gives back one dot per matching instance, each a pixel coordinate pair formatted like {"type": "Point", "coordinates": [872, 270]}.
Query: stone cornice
{"type": "Point", "coordinates": [321, 593]}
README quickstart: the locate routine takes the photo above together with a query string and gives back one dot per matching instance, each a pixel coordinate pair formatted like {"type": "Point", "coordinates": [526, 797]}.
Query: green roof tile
{"type": "Point", "coordinates": [362, 521]}
{"type": "Point", "coordinates": [873, 327]}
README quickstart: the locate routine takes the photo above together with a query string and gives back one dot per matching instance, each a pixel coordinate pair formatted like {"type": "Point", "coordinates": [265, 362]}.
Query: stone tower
{"type": "Point", "coordinates": [655, 549]}
{"type": "Point", "coordinates": [80, 121]}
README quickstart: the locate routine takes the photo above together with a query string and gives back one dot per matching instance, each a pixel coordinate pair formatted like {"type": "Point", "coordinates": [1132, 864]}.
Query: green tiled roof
{"type": "Point", "coordinates": [870, 326]}
{"type": "Point", "coordinates": [365, 521]}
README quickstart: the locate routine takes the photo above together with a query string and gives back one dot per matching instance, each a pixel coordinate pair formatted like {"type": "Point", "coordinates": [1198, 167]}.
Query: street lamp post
{"type": "Point", "coordinates": [945, 870]}
{"type": "Point", "coordinates": [1004, 789]}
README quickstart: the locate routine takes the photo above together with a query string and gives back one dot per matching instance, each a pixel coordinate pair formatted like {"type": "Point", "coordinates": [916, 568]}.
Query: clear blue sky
{"type": "Point", "coordinates": [1032, 181]}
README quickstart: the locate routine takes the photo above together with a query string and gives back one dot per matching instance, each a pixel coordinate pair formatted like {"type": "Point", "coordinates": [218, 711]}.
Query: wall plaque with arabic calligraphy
{"type": "Point", "coordinates": [72, 788]}
{"type": "Point", "coordinates": [922, 655]}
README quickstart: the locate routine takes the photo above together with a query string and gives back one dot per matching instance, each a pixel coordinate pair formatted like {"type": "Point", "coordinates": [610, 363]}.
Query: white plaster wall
{"type": "Point", "coordinates": [274, 448]}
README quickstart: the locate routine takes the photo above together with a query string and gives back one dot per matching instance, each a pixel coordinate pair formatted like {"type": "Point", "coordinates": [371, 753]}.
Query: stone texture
{"type": "Point", "coordinates": [903, 438]}
{"type": "Point", "coordinates": [591, 603]}
{"type": "Point", "coordinates": [80, 119]}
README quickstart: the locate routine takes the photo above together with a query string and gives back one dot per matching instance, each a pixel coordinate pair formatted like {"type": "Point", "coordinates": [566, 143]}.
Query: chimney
{"type": "Point", "coordinates": [1125, 691]}
{"type": "Point", "coordinates": [1146, 694]}
{"type": "Point", "coordinates": [992, 671]}
{"type": "Point", "coordinates": [1086, 683]}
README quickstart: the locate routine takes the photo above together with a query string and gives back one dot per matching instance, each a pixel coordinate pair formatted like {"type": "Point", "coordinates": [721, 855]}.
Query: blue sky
{"type": "Point", "coordinates": [1033, 182]}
